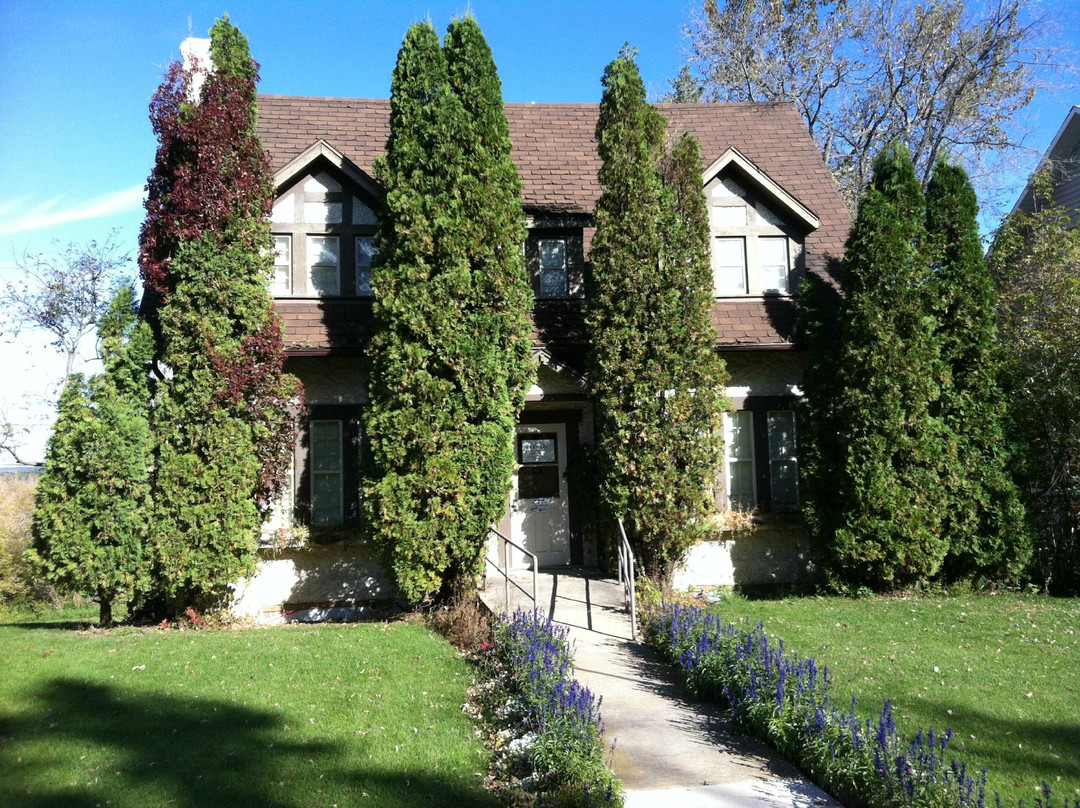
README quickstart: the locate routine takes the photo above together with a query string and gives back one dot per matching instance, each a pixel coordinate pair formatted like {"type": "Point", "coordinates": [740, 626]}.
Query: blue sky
{"type": "Point", "coordinates": [76, 77]}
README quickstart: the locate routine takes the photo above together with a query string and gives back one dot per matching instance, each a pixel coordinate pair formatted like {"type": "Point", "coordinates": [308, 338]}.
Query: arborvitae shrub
{"type": "Point", "coordinates": [657, 380]}
{"type": "Point", "coordinates": [451, 358]}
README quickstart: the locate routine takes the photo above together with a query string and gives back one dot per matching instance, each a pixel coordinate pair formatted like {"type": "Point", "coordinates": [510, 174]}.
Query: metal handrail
{"type": "Point", "coordinates": [505, 570]}
{"type": "Point", "coordinates": [626, 577]}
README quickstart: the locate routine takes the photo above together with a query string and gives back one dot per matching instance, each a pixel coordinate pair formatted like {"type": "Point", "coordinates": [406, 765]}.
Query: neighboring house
{"type": "Point", "coordinates": [775, 215]}
{"type": "Point", "coordinates": [1063, 160]}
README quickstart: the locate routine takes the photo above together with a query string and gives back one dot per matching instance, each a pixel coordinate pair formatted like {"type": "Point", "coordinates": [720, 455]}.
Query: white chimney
{"type": "Point", "coordinates": [196, 55]}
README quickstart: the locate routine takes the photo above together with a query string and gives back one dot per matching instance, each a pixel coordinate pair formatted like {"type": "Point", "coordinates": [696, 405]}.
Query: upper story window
{"type": "Point", "coordinates": [365, 256]}
{"type": "Point", "coordinates": [754, 250]}
{"type": "Point", "coordinates": [282, 281]}
{"type": "Point", "coordinates": [553, 267]}
{"type": "Point", "coordinates": [555, 259]}
{"type": "Point", "coordinates": [324, 265]}
{"type": "Point", "coordinates": [324, 238]}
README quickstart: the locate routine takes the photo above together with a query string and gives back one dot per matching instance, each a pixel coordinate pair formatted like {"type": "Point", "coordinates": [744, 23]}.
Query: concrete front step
{"type": "Point", "coordinates": [669, 751]}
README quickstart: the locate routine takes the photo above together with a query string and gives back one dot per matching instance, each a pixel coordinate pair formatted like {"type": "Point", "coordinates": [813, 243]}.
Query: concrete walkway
{"type": "Point", "coordinates": [670, 751]}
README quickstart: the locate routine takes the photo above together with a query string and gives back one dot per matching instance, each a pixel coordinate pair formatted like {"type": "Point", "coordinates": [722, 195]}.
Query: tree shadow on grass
{"type": "Point", "coordinates": [94, 745]}
{"type": "Point", "coordinates": [1055, 754]}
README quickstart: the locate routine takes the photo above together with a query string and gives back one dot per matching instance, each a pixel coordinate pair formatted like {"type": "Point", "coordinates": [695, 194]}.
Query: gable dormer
{"type": "Point", "coordinates": [323, 223]}
{"type": "Point", "coordinates": [757, 230]}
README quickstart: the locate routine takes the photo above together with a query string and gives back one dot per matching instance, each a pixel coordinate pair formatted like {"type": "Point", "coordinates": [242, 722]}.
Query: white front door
{"type": "Point", "coordinates": [539, 515]}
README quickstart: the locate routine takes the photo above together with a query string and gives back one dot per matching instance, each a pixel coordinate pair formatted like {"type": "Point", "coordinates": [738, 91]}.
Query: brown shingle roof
{"type": "Point", "coordinates": [555, 151]}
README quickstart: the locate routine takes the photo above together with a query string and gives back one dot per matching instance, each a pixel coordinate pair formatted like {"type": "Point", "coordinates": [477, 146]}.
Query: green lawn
{"type": "Point", "coordinates": [1002, 671]}
{"type": "Point", "coordinates": [347, 715]}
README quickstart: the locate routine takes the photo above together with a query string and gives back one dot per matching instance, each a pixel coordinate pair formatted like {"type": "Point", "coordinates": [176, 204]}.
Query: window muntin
{"type": "Point", "coordinates": [365, 256]}
{"type": "Point", "coordinates": [739, 449]}
{"type": "Point", "coordinates": [282, 281]}
{"type": "Point", "coordinates": [783, 460]}
{"type": "Point", "coordinates": [327, 473]}
{"type": "Point", "coordinates": [774, 263]}
{"type": "Point", "coordinates": [553, 267]}
{"type": "Point", "coordinates": [324, 263]}
{"type": "Point", "coordinates": [729, 265]}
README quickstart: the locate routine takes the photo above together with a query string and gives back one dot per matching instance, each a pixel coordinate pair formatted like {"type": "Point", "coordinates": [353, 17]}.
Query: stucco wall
{"type": "Point", "coordinates": [769, 555]}
{"type": "Point", "coordinates": [335, 574]}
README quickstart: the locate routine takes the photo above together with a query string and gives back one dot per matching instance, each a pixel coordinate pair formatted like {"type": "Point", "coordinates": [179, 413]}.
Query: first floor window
{"type": "Point", "coordinates": [282, 283]}
{"type": "Point", "coordinates": [365, 256]}
{"type": "Point", "coordinates": [729, 266]}
{"type": "Point", "coordinates": [323, 260]}
{"type": "Point", "coordinates": [327, 478]}
{"type": "Point", "coordinates": [739, 448]}
{"type": "Point", "coordinates": [783, 463]}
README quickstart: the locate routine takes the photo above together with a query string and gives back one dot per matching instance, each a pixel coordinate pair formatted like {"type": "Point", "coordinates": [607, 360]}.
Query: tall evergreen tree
{"type": "Point", "coordinates": [984, 519]}
{"type": "Point", "coordinates": [657, 380]}
{"type": "Point", "coordinates": [93, 502]}
{"type": "Point", "coordinates": [221, 420]}
{"type": "Point", "coordinates": [451, 358]}
{"type": "Point", "coordinates": [879, 516]}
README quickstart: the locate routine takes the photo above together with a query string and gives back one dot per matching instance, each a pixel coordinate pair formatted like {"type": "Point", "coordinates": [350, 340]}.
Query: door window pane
{"type": "Point", "coordinates": [538, 450]}
{"type": "Point", "coordinates": [729, 266]}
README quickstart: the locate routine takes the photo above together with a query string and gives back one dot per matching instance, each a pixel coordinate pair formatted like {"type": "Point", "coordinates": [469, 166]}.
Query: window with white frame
{"type": "Point", "coordinates": [282, 282]}
{"type": "Point", "coordinates": [327, 473]}
{"type": "Point", "coordinates": [775, 267]}
{"type": "Point", "coordinates": [739, 451]}
{"type": "Point", "coordinates": [783, 460]}
{"type": "Point", "coordinates": [323, 228]}
{"type": "Point", "coordinates": [365, 256]}
{"type": "Point", "coordinates": [755, 250]}
{"type": "Point", "coordinates": [729, 265]}
{"type": "Point", "coordinates": [324, 265]}
{"type": "Point", "coordinates": [553, 266]}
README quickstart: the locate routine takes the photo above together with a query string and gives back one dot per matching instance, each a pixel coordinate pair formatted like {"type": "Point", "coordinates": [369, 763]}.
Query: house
{"type": "Point", "coordinates": [775, 215]}
{"type": "Point", "coordinates": [1063, 160]}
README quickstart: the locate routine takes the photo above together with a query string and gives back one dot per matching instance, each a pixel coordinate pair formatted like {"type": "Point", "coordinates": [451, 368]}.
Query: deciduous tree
{"type": "Point", "coordinates": [1035, 260]}
{"type": "Point", "coordinates": [935, 76]}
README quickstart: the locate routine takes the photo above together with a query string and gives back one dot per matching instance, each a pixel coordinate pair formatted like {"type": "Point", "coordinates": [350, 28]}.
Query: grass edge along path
{"type": "Point", "coordinates": [784, 699]}
{"type": "Point", "coordinates": [288, 716]}
{"type": "Point", "coordinates": [1001, 669]}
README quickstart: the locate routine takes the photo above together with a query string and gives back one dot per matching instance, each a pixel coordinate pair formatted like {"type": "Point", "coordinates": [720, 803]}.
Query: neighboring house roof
{"type": "Point", "coordinates": [1063, 157]}
{"type": "Point", "coordinates": [555, 152]}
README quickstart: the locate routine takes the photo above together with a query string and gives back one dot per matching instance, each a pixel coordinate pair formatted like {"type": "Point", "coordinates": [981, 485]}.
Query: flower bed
{"type": "Point", "coordinates": [784, 699]}
{"type": "Point", "coordinates": [544, 725]}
